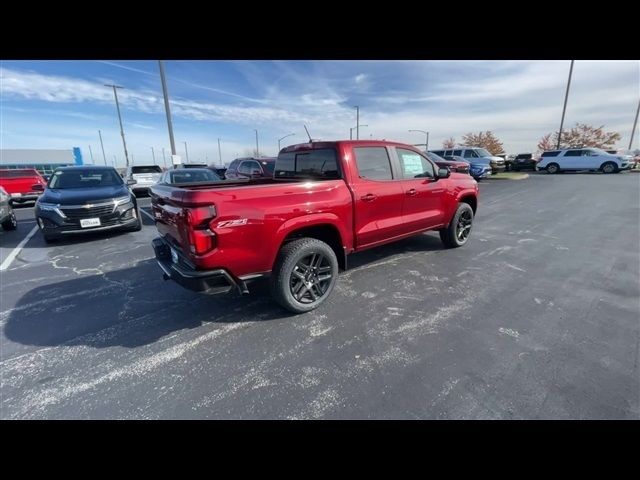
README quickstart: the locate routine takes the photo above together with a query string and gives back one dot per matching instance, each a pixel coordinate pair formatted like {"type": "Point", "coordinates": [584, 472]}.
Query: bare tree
{"type": "Point", "coordinates": [486, 140]}
{"type": "Point", "coordinates": [582, 135]}
{"type": "Point", "coordinates": [449, 143]}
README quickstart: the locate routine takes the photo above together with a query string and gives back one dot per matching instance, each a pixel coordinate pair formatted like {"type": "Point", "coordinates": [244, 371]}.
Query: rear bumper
{"type": "Point", "coordinates": [203, 281]}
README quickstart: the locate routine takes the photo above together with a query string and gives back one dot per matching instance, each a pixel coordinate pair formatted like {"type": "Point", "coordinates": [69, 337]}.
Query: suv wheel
{"type": "Point", "coordinates": [304, 276]}
{"type": "Point", "coordinates": [553, 168]}
{"type": "Point", "coordinates": [10, 223]}
{"type": "Point", "coordinates": [609, 167]}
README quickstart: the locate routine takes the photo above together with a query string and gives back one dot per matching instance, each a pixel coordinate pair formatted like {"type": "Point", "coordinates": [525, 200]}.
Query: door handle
{"type": "Point", "coordinates": [412, 192]}
{"type": "Point", "coordinates": [369, 197]}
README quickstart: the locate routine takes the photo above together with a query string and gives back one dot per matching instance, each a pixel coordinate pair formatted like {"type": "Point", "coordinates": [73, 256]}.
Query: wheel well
{"type": "Point", "coordinates": [472, 201]}
{"type": "Point", "coordinates": [326, 233]}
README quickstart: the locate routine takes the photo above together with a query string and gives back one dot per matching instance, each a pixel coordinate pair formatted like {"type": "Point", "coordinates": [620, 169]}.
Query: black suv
{"type": "Point", "coordinates": [524, 161]}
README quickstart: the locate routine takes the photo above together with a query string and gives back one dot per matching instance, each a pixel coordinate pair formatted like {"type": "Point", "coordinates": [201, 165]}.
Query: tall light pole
{"type": "Point", "coordinates": [352, 129]}
{"type": "Point", "coordinates": [426, 145]}
{"type": "Point", "coordinates": [115, 161]}
{"type": "Point", "coordinates": [635, 122]}
{"type": "Point", "coordinates": [102, 146]}
{"type": "Point", "coordinates": [153, 154]}
{"type": "Point", "coordinates": [280, 139]}
{"type": "Point", "coordinates": [357, 107]}
{"type": "Point", "coordinates": [220, 153]}
{"type": "Point", "coordinates": [564, 108]}
{"type": "Point", "coordinates": [91, 153]}
{"type": "Point", "coordinates": [257, 148]}
{"type": "Point", "coordinates": [167, 108]}
{"type": "Point", "coordinates": [164, 159]}
{"type": "Point", "coordinates": [124, 144]}
{"type": "Point", "coordinates": [186, 151]}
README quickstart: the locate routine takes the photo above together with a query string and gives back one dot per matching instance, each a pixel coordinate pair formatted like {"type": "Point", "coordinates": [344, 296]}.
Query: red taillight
{"type": "Point", "coordinates": [201, 239]}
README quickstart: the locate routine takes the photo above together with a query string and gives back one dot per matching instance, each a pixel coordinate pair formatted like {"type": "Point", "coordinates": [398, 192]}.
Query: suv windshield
{"type": "Point", "coordinates": [146, 169]}
{"type": "Point", "coordinates": [320, 163]}
{"type": "Point", "coordinates": [482, 152]}
{"type": "Point", "coordinates": [84, 178]}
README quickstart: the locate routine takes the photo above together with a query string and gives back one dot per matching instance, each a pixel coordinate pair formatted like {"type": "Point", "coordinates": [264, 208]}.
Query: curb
{"type": "Point", "coordinates": [523, 177]}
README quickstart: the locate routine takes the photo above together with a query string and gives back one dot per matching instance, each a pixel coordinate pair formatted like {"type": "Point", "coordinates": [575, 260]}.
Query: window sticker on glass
{"type": "Point", "coordinates": [412, 164]}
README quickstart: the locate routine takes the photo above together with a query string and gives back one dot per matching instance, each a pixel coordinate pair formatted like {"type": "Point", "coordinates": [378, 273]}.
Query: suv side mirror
{"type": "Point", "coordinates": [131, 181]}
{"type": "Point", "coordinates": [444, 173]}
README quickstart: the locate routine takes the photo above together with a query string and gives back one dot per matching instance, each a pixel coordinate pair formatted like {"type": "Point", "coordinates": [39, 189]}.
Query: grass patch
{"type": "Point", "coordinates": [508, 176]}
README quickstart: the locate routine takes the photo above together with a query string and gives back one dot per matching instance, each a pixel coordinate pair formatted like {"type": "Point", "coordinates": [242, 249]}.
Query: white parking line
{"type": "Point", "coordinates": [7, 261]}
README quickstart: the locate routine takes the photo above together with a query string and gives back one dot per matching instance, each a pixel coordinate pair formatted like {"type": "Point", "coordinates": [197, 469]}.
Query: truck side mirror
{"type": "Point", "coordinates": [444, 173]}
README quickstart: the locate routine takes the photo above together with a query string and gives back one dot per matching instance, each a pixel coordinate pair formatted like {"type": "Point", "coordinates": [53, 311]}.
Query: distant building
{"type": "Point", "coordinates": [45, 161]}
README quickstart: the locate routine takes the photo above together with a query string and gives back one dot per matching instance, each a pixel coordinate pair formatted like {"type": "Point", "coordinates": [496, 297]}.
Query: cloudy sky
{"type": "Point", "coordinates": [61, 104]}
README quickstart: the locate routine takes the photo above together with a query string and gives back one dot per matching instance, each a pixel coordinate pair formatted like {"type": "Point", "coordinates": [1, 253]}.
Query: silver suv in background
{"type": "Point", "coordinates": [470, 153]}
{"type": "Point", "coordinates": [144, 175]}
{"type": "Point", "coordinates": [574, 159]}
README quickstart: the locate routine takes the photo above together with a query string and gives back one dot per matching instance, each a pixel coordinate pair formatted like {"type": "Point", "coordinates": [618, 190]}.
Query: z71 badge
{"type": "Point", "coordinates": [232, 223]}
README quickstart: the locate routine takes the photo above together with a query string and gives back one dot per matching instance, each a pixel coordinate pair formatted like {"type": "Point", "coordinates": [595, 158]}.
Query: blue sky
{"type": "Point", "coordinates": [61, 104]}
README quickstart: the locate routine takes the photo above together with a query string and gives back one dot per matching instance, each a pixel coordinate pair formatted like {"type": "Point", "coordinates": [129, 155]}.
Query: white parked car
{"type": "Point", "coordinates": [144, 175]}
{"type": "Point", "coordinates": [572, 159]}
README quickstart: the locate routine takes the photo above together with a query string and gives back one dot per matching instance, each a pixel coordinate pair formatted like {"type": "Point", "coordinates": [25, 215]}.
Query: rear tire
{"type": "Point", "coordinates": [304, 275]}
{"type": "Point", "coordinates": [459, 229]}
{"type": "Point", "coordinates": [10, 223]}
{"type": "Point", "coordinates": [553, 168]}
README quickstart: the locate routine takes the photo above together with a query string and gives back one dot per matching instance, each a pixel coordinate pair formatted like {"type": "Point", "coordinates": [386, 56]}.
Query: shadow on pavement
{"type": "Point", "coordinates": [134, 306]}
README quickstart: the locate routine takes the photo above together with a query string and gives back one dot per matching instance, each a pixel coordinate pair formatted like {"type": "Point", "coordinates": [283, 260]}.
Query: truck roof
{"type": "Point", "coordinates": [331, 143]}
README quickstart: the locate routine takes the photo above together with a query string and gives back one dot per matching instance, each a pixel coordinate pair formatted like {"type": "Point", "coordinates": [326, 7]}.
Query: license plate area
{"type": "Point", "coordinates": [89, 222]}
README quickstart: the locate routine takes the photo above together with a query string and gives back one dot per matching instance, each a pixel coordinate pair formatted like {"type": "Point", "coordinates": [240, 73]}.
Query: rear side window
{"type": "Point", "coordinates": [470, 154]}
{"type": "Point", "coordinates": [146, 169]}
{"type": "Point", "coordinates": [457, 153]}
{"type": "Point", "coordinates": [320, 164]}
{"type": "Point", "coordinates": [373, 163]}
{"type": "Point", "coordinates": [439, 152]}
{"type": "Point", "coordinates": [573, 153]}
{"type": "Point", "coordinates": [550, 154]}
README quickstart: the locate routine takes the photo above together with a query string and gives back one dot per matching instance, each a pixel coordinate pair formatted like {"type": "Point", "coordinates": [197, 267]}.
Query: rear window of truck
{"type": "Point", "coordinates": [320, 164]}
{"type": "Point", "coordinates": [17, 173]}
{"type": "Point", "coordinates": [146, 169]}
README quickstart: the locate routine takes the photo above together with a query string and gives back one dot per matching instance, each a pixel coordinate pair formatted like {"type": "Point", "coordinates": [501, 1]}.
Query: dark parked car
{"type": "Point", "coordinates": [524, 161]}
{"type": "Point", "coordinates": [478, 167]}
{"type": "Point", "coordinates": [7, 217]}
{"type": "Point", "coordinates": [250, 168]}
{"type": "Point", "coordinates": [191, 175]}
{"type": "Point", "coordinates": [452, 166]}
{"type": "Point", "coordinates": [86, 199]}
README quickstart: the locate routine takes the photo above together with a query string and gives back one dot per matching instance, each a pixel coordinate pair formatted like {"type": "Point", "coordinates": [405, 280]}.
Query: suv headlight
{"type": "Point", "coordinates": [121, 200]}
{"type": "Point", "coordinates": [50, 207]}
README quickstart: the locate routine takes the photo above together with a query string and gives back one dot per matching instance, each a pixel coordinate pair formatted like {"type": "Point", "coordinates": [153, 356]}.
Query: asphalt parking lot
{"type": "Point", "coordinates": [538, 316]}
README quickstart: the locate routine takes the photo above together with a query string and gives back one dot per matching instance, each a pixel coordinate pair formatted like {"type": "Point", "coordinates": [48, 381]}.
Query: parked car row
{"type": "Point", "coordinates": [474, 154]}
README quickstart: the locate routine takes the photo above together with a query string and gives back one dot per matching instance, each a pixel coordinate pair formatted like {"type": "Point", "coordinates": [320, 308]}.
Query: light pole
{"type": "Point", "coordinates": [164, 159]}
{"type": "Point", "coordinates": [257, 148]}
{"type": "Point", "coordinates": [167, 108]}
{"type": "Point", "coordinates": [153, 154]}
{"type": "Point", "coordinates": [186, 152]}
{"type": "Point", "coordinates": [220, 153]}
{"type": "Point", "coordinates": [564, 108]}
{"type": "Point", "coordinates": [115, 161]}
{"type": "Point", "coordinates": [352, 129]}
{"type": "Point", "coordinates": [280, 139]}
{"type": "Point", "coordinates": [124, 144]}
{"type": "Point", "coordinates": [91, 153]}
{"type": "Point", "coordinates": [357, 107]}
{"type": "Point", "coordinates": [635, 122]}
{"type": "Point", "coordinates": [102, 146]}
{"type": "Point", "coordinates": [426, 145]}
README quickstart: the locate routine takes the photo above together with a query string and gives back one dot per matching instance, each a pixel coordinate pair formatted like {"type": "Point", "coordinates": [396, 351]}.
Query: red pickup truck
{"type": "Point", "coordinates": [22, 184]}
{"type": "Point", "coordinates": [325, 201]}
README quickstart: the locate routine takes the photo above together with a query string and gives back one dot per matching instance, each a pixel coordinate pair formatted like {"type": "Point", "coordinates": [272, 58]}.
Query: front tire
{"type": "Point", "coordinates": [10, 223]}
{"type": "Point", "coordinates": [609, 167]}
{"type": "Point", "coordinates": [553, 168]}
{"type": "Point", "coordinates": [459, 229]}
{"type": "Point", "coordinates": [304, 275]}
